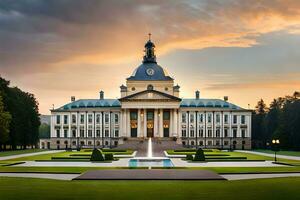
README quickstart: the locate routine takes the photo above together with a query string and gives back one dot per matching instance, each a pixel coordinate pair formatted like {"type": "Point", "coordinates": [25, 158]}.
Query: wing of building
{"type": "Point", "coordinates": [150, 106]}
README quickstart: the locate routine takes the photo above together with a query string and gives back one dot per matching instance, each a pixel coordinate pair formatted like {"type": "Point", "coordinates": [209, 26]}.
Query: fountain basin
{"type": "Point", "coordinates": [150, 162]}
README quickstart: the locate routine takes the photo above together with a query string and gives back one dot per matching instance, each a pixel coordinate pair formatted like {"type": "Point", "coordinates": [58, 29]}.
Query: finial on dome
{"type": "Point", "coordinates": [149, 36]}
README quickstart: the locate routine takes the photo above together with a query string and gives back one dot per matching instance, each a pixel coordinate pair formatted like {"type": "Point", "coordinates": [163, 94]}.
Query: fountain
{"type": "Point", "coordinates": [150, 161]}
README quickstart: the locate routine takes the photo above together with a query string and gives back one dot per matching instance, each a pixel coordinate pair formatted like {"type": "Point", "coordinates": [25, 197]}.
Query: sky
{"type": "Point", "coordinates": [56, 49]}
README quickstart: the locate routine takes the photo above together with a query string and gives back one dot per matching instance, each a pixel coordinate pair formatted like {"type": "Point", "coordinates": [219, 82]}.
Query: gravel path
{"type": "Point", "coordinates": [29, 154]}
{"type": "Point", "coordinates": [41, 175]}
{"type": "Point", "coordinates": [271, 155]}
{"type": "Point", "coordinates": [233, 177]}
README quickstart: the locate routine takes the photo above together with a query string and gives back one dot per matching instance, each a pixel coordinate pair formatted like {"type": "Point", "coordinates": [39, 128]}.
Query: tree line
{"type": "Point", "coordinates": [281, 120]}
{"type": "Point", "coordinates": [19, 117]}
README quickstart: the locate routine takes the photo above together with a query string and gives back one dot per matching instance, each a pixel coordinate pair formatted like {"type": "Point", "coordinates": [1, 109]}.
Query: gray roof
{"type": "Point", "coordinates": [91, 103]}
{"type": "Point", "coordinates": [190, 103]}
{"type": "Point", "coordinates": [210, 103]}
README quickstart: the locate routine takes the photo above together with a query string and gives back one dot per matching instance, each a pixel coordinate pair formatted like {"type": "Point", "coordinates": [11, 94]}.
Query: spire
{"type": "Point", "coordinates": [149, 51]}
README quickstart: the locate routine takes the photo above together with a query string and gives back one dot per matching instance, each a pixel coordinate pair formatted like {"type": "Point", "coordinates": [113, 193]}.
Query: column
{"type": "Point", "coordinates": [69, 121]}
{"type": "Point", "coordinates": [175, 127]}
{"type": "Point", "coordinates": [156, 123]}
{"type": "Point", "coordinates": [128, 122]}
{"type": "Point", "coordinates": [139, 128]}
{"type": "Point", "coordinates": [160, 124]}
{"type": "Point", "coordinates": [145, 123]}
{"type": "Point", "coordinates": [171, 129]}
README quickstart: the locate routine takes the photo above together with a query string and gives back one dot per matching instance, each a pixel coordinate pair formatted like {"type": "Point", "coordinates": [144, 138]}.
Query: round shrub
{"type": "Point", "coordinates": [97, 155]}
{"type": "Point", "coordinates": [109, 156]}
{"type": "Point", "coordinates": [189, 157]}
{"type": "Point", "coordinates": [199, 156]}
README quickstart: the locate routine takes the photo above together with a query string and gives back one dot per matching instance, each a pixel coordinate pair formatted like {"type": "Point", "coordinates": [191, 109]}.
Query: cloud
{"type": "Point", "coordinates": [39, 34]}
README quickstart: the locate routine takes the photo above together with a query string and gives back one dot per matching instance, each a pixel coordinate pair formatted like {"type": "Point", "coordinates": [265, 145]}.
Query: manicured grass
{"type": "Point", "coordinates": [249, 156]}
{"type": "Point", "coordinates": [285, 153]}
{"type": "Point", "coordinates": [265, 189]}
{"type": "Point", "coordinates": [17, 152]}
{"type": "Point", "coordinates": [66, 154]}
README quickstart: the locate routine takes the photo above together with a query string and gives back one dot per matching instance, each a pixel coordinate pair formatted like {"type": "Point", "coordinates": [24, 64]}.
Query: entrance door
{"type": "Point", "coordinates": [133, 123]}
{"type": "Point", "coordinates": [150, 123]}
{"type": "Point", "coordinates": [166, 132]}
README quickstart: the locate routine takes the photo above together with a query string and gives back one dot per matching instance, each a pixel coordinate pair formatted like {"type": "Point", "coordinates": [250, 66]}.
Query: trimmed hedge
{"type": "Point", "coordinates": [114, 150]}
{"type": "Point", "coordinates": [189, 157]}
{"type": "Point", "coordinates": [97, 155]}
{"type": "Point", "coordinates": [109, 156]}
{"type": "Point", "coordinates": [199, 156]}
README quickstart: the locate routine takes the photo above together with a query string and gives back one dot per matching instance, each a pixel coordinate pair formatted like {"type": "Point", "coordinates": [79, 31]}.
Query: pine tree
{"type": "Point", "coordinates": [5, 119]}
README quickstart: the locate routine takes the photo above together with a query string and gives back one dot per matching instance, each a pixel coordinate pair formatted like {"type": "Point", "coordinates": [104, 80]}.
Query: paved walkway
{"type": "Point", "coordinates": [233, 177]}
{"type": "Point", "coordinates": [178, 162]}
{"type": "Point", "coordinates": [271, 155]}
{"type": "Point", "coordinates": [29, 154]}
{"type": "Point", "coordinates": [154, 174]}
{"type": "Point", "coordinates": [41, 175]}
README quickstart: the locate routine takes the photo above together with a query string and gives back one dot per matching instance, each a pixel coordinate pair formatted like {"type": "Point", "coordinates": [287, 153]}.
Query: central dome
{"type": "Point", "coordinates": [150, 70]}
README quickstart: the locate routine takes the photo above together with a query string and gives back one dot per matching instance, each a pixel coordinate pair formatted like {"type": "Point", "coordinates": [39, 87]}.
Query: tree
{"type": "Point", "coordinates": [258, 133]}
{"type": "Point", "coordinates": [44, 131]}
{"type": "Point", "coordinates": [5, 119]}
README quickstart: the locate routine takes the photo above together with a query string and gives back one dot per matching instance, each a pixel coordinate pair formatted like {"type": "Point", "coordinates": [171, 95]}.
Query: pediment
{"type": "Point", "coordinates": [150, 95]}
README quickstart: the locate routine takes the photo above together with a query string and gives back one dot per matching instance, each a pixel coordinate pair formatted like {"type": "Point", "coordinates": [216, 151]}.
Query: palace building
{"type": "Point", "coordinates": [150, 106]}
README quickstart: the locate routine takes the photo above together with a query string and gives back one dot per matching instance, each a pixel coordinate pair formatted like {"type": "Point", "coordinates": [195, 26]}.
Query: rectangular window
{"type": "Point", "coordinates": [65, 119]}
{"type": "Point", "coordinates": [166, 115]}
{"type": "Point", "coordinates": [183, 118]}
{"type": "Point", "coordinates": [201, 118]}
{"type": "Point", "coordinates": [116, 133]}
{"type": "Point", "coordinates": [226, 119]}
{"type": "Point", "coordinates": [234, 131]}
{"type": "Point", "coordinates": [192, 133]}
{"type": "Point", "coordinates": [116, 118]}
{"type": "Point", "coordinates": [82, 133]}
{"type": "Point", "coordinates": [98, 133]}
{"type": "Point", "coordinates": [57, 119]}
{"type": "Point", "coordinates": [226, 143]}
{"type": "Point", "coordinates": [234, 119]}
{"type": "Point", "coordinates": [98, 118]}
{"type": "Point", "coordinates": [106, 118]}
{"type": "Point", "coordinates": [106, 133]}
{"type": "Point", "coordinates": [209, 133]}
{"type": "Point", "coordinates": [90, 133]}
{"type": "Point", "coordinates": [201, 143]}
{"type": "Point", "coordinates": [90, 118]}
{"type": "Point", "coordinates": [243, 121]}
{"type": "Point", "coordinates": [243, 133]}
{"type": "Point", "coordinates": [65, 133]}
{"type": "Point", "coordinates": [183, 132]}
{"type": "Point", "coordinates": [218, 118]}
{"type": "Point", "coordinates": [192, 118]}
{"type": "Point", "coordinates": [200, 132]}
{"type": "Point", "coordinates": [217, 143]}
{"type": "Point", "coordinates": [74, 119]}
{"type": "Point", "coordinates": [225, 132]}
{"type": "Point", "coordinates": [209, 117]}
{"type": "Point", "coordinates": [73, 133]}
{"type": "Point", "coordinates": [133, 115]}
{"type": "Point", "coordinates": [82, 119]}
{"type": "Point", "coordinates": [57, 133]}
{"type": "Point", "coordinates": [218, 133]}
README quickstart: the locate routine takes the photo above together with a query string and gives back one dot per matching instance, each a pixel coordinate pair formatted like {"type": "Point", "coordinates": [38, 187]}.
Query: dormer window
{"type": "Point", "coordinates": [133, 89]}
{"type": "Point", "coordinates": [166, 89]}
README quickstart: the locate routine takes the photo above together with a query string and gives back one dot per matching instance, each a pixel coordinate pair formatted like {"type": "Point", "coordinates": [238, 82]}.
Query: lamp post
{"type": "Point", "coordinates": [275, 147]}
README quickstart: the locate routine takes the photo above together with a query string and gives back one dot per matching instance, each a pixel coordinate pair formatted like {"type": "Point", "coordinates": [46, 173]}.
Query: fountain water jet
{"type": "Point", "coordinates": [149, 151]}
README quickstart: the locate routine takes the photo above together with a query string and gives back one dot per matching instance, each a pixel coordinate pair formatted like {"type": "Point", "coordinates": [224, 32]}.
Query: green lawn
{"type": "Point", "coordinates": [64, 154]}
{"type": "Point", "coordinates": [285, 153]}
{"type": "Point", "coordinates": [248, 156]}
{"type": "Point", "coordinates": [17, 152]}
{"type": "Point", "coordinates": [265, 189]}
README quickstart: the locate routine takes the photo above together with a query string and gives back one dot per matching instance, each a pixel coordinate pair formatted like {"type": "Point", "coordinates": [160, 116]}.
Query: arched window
{"type": "Point", "coordinates": [150, 87]}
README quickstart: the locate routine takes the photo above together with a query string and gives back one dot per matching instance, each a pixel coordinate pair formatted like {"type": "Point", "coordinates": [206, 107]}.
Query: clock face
{"type": "Point", "coordinates": [150, 71]}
